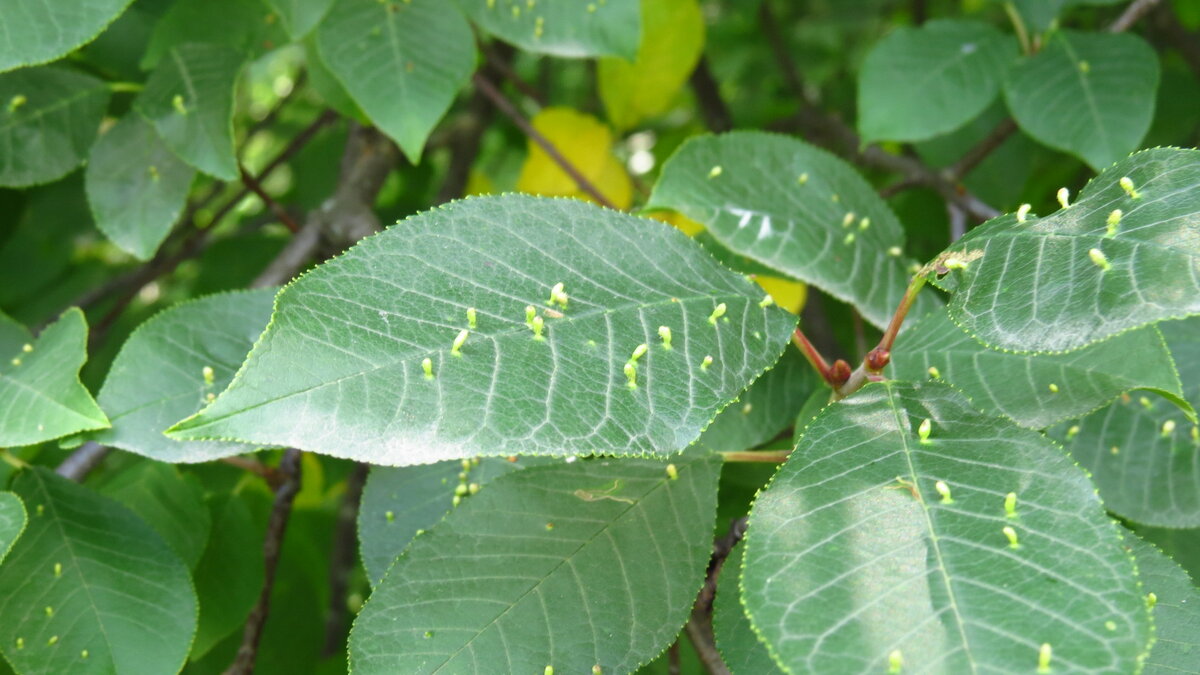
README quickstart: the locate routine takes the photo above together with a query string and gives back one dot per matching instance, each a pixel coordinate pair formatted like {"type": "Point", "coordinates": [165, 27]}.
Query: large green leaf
{"type": "Point", "coordinates": [400, 502]}
{"type": "Point", "coordinates": [1036, 285]}
{"type": "Point", "coordinates": [1037, 391]}
{"type": "Point", "coordinates": [570, 28]}
{"type": "Point", "coordinates": [611, 555]}
{"type": "Point", "coordinates": [768, 407]}
{"type": "Point", "coordinates": [380, 51]}
{"type": "Point", "coordinates": [189, 99]}
{"type": "Point", "coordinates": [37, 31]}
{"type": "Point", "coordinates": [136, 186]}
{"type": "Point", "coordinates": [796, 209]}
{"type": "Point", "coordinates": [340, 369]}
{"type": "Point", "coordinates": [741, 650]}
{"type": "Point", "coordinates": [1090, 94]}
{"type": "Point", "coordinates": [170, 502]}
{"type": "Point", "coordinates": [91, 588]}
{"type": "Point", "coordinates": [1176, 611]}
{"type": "Point", "coordinates": [1143, 452]}
{"type": "Point", "coordinates": [300, 16]}
{"type": "Point", "coordinates": [159, 376]}
{"type": "Point", "coordinates": [49, 117]}
{"type": "Point", "coordinates": [229, 576]}
{"type": "Point", "coordinates": [920, 82]}
{"type": "Point", "coordinates": [41, 396]}
{"type": "Point", "coordinates": [12, 522]}
{"type": "Point", "coordinates": [672, 42]}
{"type": "Point", "coordinates": [873, 545]}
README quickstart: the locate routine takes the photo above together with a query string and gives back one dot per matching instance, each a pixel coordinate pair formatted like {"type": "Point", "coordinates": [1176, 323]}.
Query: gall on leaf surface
{"type": "Point", "coordinates": [890, 528]}
{"type": "Point", "coordinates": [359, 359]}
{"type": "Point", "coordinates": [795, 209]}
{"type": "Point", "coordinates": [611, 555]}
{"type": "Point", "coordinates": [1061, 282]}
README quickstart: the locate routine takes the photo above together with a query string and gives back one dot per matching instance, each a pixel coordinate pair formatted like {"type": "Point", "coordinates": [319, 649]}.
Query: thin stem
{"type": "Point", "coordinates": [12, 460]}
{"type": "Point", "coordinates": [1136, 10]}
{"type": "Point", "coordinates": [505, 106]}
{"type": "Point", "coordinates": [285, 494]}
{"type": "Point", "coordinates": [1019, 27]}
{"type": "Point", "coordinates": [906, 303]}
{"type": "Point", "coordinates": [341, 560]}
{"type": "Point", "coordinates": [254, 186]}
{"type": "Point", "coordinates": [501, 66]}
{"type": "Point", "coordinates": [80, 463]}
{"type": "Point", "coordinates": [769, 456]}
{"type": "Point", "coordinates": [271, 475]}
{"type": "Point", "coordinates": [973, 157]}
{"type": "Point", "coordinates": [810, 352]}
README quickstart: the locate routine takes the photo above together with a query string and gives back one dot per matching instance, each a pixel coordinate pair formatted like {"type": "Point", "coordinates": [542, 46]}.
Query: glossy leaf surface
{"type": "Point", "coordinates": [872, 541]}
{"type": "Point", "coordinates": [340, 370]}
{"type": "Point", "coordinates": [1037, 286]}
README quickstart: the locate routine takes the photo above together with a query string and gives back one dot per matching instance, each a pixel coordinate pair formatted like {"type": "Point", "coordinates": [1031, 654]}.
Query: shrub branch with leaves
{"type": "Point", "coordinates": [247, 428]}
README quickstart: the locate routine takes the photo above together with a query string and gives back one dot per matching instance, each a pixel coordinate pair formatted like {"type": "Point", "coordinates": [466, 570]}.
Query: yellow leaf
{"type": "Point", "coordinates": [672, 42]}
{"type": "Point", "coordinates": [788, 294]}
{"type": "Point", "coordinates": [587, 144]}
{"type": "Point", "coordinates": [689, 227]}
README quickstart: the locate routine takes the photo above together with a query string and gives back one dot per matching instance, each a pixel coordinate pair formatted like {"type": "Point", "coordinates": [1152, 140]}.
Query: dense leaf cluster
{"type": "Point", "coordinates": [245, 427]}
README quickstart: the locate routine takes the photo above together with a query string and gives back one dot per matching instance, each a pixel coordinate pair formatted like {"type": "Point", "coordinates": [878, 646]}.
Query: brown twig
{"type": "Point", "coordinates": [271, 475]}
{"type": "Point", "coordinates": [699, 626]}
{"type": "Point", "coordinates": [341, 560]}
{"type": "Point", "coordinates": [505, 106]}
{"type": "Point", "coordinates": [1135, 11]}
{"type": "Point", "coordinates": [979, 152]}
{"type": "Point", "coordinates": [254, 186]}
{"type": "Point", "coordinates": [708, 97]}
{"type": "Point", "coordinates": [281, 509]}
{"type": "Point", "coordinates": [498, 62]}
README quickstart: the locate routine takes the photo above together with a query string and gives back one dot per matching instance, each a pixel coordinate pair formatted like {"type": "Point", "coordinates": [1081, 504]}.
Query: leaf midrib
{"type": "Point", "coordinates": [516, 330]}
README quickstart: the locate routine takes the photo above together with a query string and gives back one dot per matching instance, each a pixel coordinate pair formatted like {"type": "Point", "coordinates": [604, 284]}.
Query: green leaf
{"type": "Point", "coordinates": [327, 85]}
{"type": "Point", "coordinates": [380, 51]}
{"type": "Point", "coordinates": [339, 371]}
{"type": "Point", "coordinates": [854, 554]}
{"type": "Point", "coordinates": [1143, 452]}
{"type": "Point", "coordinates": [1035, 286]}
{"type": "Point", "coordinates": [672, 42]}
{"type": "Point", "coordinates": [90, 587]}
{"type": "Point", "coordinates": [229, 576]}
{"type": "Point", "coordinates": [41, 397]}
{"type": "Point", "coordinates": [12, 522]}
{"type": "Point", "coordinates": [1176, 610]}
{"type": "Point", "coordinates": [742, 651]}
{"type": "Point", "coordinates": [611, 555]}
{"type": "Point", "coordinates": [13, 336]}
{"type": "Point", "coordinates": [38, 31]}
{"type": "Point", "coordinates": [1036, 391]}
{"type": "Point", "coordinates": [796, 209]}
{"type": "Point", "coordinates": [170, 502]}
{"type": "Point", "coordinates": [159, 377]}
{"type": "Point", "coordinates": [400, 502]}
{"type": "Point", "coordinates": [189, 99]}
{"type": "Point", "coordinates": [562, 27]}
{"type": "Point", "coordinates": [1089, 94]}
{"type": "Point", "coordinates": [136, 186]}
{"type": "Point", "coordinates": [300, 16]}
{"type": "Point", "coordinates": [1039, 15]}
{"type": "Point", "coordinates": [920, 82]}
{"type": "Point", "coordinates": [49, 117]}
{"type": "Point", "coordinates": [768, 407]}
{"type": "Point", "coordinates": [248, 26]}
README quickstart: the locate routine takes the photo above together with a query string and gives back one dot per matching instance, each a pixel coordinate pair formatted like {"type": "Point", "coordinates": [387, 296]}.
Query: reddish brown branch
{"type": "Point", "coordinates": [285, 494]}
{"type": "Point", "coordinates": [251, 183]}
